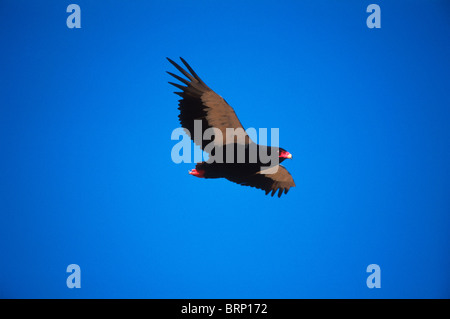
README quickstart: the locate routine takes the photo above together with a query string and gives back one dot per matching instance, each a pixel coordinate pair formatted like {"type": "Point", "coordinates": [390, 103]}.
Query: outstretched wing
{"type": "Point", "coordinates": [199, 102]}
{"type": "Point", "coordinates": [280, 181]}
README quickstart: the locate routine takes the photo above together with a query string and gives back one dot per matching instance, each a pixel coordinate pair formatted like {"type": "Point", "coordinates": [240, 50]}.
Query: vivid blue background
{"type": "Point", "coordinates": [86, 174]}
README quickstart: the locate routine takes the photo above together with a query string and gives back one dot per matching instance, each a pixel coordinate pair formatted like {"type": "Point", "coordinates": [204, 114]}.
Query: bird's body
{"type": "Point", "coordinates": [233, 155]}
{"type": "Point", "coordinates": [241, 159]}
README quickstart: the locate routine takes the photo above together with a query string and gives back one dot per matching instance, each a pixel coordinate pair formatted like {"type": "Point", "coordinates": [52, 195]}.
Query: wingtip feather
{"type": "Point", "coordinates": [178, 86]}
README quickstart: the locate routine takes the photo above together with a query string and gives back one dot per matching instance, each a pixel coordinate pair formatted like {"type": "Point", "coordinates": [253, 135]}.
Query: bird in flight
{"type": "Point", "coordinates": [201, 105]}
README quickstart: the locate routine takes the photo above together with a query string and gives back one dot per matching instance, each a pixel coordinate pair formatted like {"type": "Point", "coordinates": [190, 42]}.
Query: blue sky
{"type": "Point", "coordinates": [86, 175]}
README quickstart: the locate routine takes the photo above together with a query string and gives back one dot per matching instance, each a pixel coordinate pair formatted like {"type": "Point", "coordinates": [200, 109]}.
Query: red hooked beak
{"type": "Point", "coordinates": [285, 154]}
{"type": "Point", "coordinates": [197, 173]}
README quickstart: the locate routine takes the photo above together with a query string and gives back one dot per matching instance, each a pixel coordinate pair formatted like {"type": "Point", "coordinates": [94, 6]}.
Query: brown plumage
{"type": "Point", "coordinates": [199, 102]}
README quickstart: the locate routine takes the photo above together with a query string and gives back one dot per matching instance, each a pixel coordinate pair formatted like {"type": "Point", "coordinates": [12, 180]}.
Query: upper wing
{"type": "Point", "coordinates": [281, 180]}
{"type": "Point", "coordinates": [199, 102]}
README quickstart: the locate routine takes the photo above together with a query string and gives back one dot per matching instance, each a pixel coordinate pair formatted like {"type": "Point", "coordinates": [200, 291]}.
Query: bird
{"type": "Point", "coordinates": [200, 104]}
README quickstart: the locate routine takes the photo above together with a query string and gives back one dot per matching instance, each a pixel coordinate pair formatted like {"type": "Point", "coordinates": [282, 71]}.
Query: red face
{"type": "Point", "coordinates": [285, 154]}
{"type": "Point", "coordinates": [197, 173]}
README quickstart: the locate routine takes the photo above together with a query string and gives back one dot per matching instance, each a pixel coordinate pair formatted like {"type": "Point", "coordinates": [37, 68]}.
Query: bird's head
{"type": "Point", "coordinates": [283, 154]}
{"type": "Point", "coordinates": [197, 173]}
